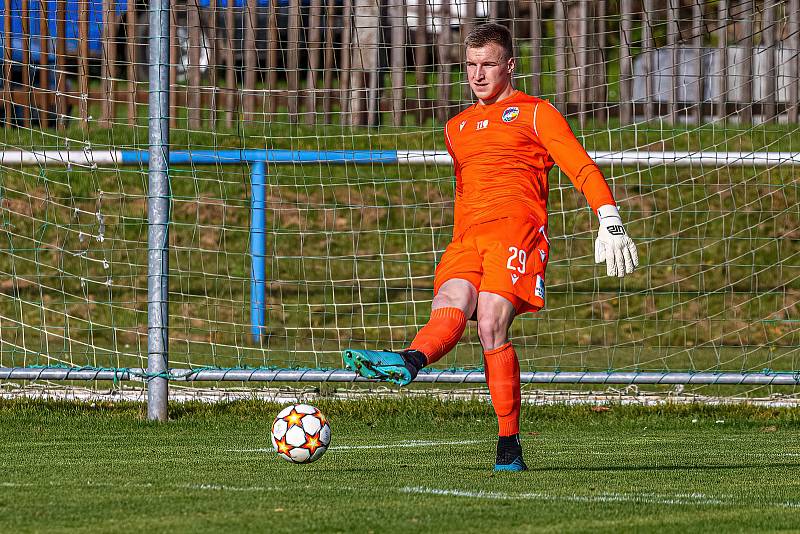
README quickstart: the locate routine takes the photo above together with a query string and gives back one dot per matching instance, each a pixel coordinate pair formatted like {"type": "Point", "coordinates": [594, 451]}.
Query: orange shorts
{"type": "Point", "coordinates": [506, 257]}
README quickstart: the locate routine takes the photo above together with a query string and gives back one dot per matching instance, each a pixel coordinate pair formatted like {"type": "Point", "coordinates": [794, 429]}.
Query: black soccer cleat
{"type": "Point", "coordinates": [509, 454]}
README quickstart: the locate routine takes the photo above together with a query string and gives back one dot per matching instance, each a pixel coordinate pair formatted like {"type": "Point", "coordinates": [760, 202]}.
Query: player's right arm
{"type": "Point", "coordinates": [459, 187]}
{"type": "Point", "coordinates": [613, 245]}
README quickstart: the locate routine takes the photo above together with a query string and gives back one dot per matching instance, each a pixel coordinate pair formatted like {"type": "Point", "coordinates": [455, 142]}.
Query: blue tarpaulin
{"type": "Point", "coordinates": [71, 26]}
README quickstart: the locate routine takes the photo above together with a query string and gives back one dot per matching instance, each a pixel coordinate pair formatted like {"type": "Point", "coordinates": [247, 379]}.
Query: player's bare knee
{"type": "Point", "coordinates": [455, 294]}
{"type": "Point", "coordinates": [448, 298]}
{"type": "Point", "coordinates": [492, 332]}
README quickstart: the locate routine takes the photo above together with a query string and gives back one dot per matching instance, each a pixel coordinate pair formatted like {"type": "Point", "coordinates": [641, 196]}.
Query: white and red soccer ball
{"type": "Point", "coordinates": [300, 434]}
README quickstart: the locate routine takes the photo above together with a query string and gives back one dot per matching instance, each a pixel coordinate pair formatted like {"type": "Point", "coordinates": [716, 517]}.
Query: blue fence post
{"type": "Point", "coordinates": [258, 270]}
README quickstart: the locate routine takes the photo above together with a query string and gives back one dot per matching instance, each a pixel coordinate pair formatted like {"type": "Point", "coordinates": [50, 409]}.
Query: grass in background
{"type": "Point", "coordinates": [398, 465]}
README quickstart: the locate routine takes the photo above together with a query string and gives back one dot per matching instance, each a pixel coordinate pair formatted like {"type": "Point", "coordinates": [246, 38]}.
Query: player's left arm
{"type": "Point", "coordinates": [613, 245]}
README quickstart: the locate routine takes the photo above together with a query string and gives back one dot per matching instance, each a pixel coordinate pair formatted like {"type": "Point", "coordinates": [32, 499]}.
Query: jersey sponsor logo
{"type": "Point", "coordinates": [539, 290]}
{"type": "Point", "coordinates": [510, 114]}
{"type": "Point", "coordinates": [461, 126]}
{"type": "Point", "coordinates": [482, 124]}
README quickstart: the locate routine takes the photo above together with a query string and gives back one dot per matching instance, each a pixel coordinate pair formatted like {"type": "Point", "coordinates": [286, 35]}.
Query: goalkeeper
{"type": "Point", "coordinates": [503, 148]}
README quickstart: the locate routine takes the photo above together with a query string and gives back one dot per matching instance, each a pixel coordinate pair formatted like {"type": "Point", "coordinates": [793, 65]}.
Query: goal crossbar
{"type": "Point", "coordinates": [420, 157]}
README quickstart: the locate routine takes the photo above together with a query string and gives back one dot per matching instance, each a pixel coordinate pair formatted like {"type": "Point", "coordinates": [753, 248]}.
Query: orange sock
{"type": "Point", "coordinates": [502, 374]}
{"type": "Point", "coordinates": [441, 334]}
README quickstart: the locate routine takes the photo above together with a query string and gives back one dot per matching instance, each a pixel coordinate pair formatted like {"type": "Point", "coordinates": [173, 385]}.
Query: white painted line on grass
{"type": "Point", "coordinates": [697, 499]}
{"type": "Point", "coordinates": [409, 444]}
{"type": "Point", "coordinates": [220, 487]}
{"type": "Point", "coordinates": [678, 499]}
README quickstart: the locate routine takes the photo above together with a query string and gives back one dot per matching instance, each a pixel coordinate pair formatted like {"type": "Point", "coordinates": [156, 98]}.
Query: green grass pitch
{"type": "Point", "coordinates": [397, 466]}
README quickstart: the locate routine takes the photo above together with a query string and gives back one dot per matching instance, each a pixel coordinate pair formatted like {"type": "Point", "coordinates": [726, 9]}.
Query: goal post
{"type": "Point", "coordinates": [310, 195]}
{"type": "Point", "coordinates": [158, 213]}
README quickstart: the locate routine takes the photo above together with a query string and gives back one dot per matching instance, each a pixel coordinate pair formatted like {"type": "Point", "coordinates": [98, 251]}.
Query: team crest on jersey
{"type": "Point", "coordinates": [482, 124]}
{"type": "Point", "coordinates": [461, 126]}
{"type": "Point", "coordinates": [510, 114]}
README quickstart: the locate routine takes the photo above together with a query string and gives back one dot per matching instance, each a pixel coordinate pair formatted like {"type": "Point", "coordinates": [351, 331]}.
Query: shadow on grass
{"type": "Point", "coordinates": [704, 467]}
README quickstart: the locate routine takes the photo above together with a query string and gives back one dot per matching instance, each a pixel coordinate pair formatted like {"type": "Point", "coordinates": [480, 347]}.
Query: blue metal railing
{"type": "Point", "coordinates": [258, 159]}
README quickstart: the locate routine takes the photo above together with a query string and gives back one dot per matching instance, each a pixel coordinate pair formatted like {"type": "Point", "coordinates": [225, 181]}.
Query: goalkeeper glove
{"type": "Point", "coordinates": [613, 245]}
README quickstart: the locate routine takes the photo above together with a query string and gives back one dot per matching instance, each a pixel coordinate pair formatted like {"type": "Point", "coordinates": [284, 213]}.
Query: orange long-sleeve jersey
{"type": "Point", "coordinates": [503, 153]}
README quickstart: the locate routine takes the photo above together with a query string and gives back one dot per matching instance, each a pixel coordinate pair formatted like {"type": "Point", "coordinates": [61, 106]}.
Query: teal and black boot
{"type": "Point", "coordinates": [397, 367]}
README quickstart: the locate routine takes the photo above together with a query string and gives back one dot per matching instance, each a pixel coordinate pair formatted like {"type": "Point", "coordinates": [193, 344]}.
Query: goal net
{"type": "Point", "coordinates": [311, 196]}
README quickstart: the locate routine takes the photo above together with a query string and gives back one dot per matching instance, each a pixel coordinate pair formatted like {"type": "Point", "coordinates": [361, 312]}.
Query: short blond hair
{"type": "Point", "coordinates": [490, 32]}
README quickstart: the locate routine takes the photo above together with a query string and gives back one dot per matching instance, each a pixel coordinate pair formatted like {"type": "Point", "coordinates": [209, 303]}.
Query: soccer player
{"type": "Point", "coordinates": [503, 148]}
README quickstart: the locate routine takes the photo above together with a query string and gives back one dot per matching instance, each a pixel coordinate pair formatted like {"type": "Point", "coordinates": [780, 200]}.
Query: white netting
{"type": "Point", "coordinates": [351, 248]}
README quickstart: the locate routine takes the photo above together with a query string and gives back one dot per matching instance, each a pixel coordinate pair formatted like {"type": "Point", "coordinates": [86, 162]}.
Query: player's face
{"type": "Point", "coordinates": [489, 73]}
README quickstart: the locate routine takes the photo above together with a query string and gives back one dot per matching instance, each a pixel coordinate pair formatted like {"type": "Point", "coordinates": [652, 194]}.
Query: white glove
{"type": "Point", "coordinates": [613, 245]}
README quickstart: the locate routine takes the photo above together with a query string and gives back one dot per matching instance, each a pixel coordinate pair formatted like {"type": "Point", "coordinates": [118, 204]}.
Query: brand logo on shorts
{"type": "Point", "coordinates": [539, 290]}
{"type": "Point", "coordinates": [510, 114]}
{"type": "Point", "coordinates": [542, 254]}
{"type": "Point", "coordinates": [544, 234]}
{"type": "Point", "coordinates": [514, 279]}
{"type": "Point", "coordinates": [461, 126]}
{"type": "Point", "coordinates": [482, 124]}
